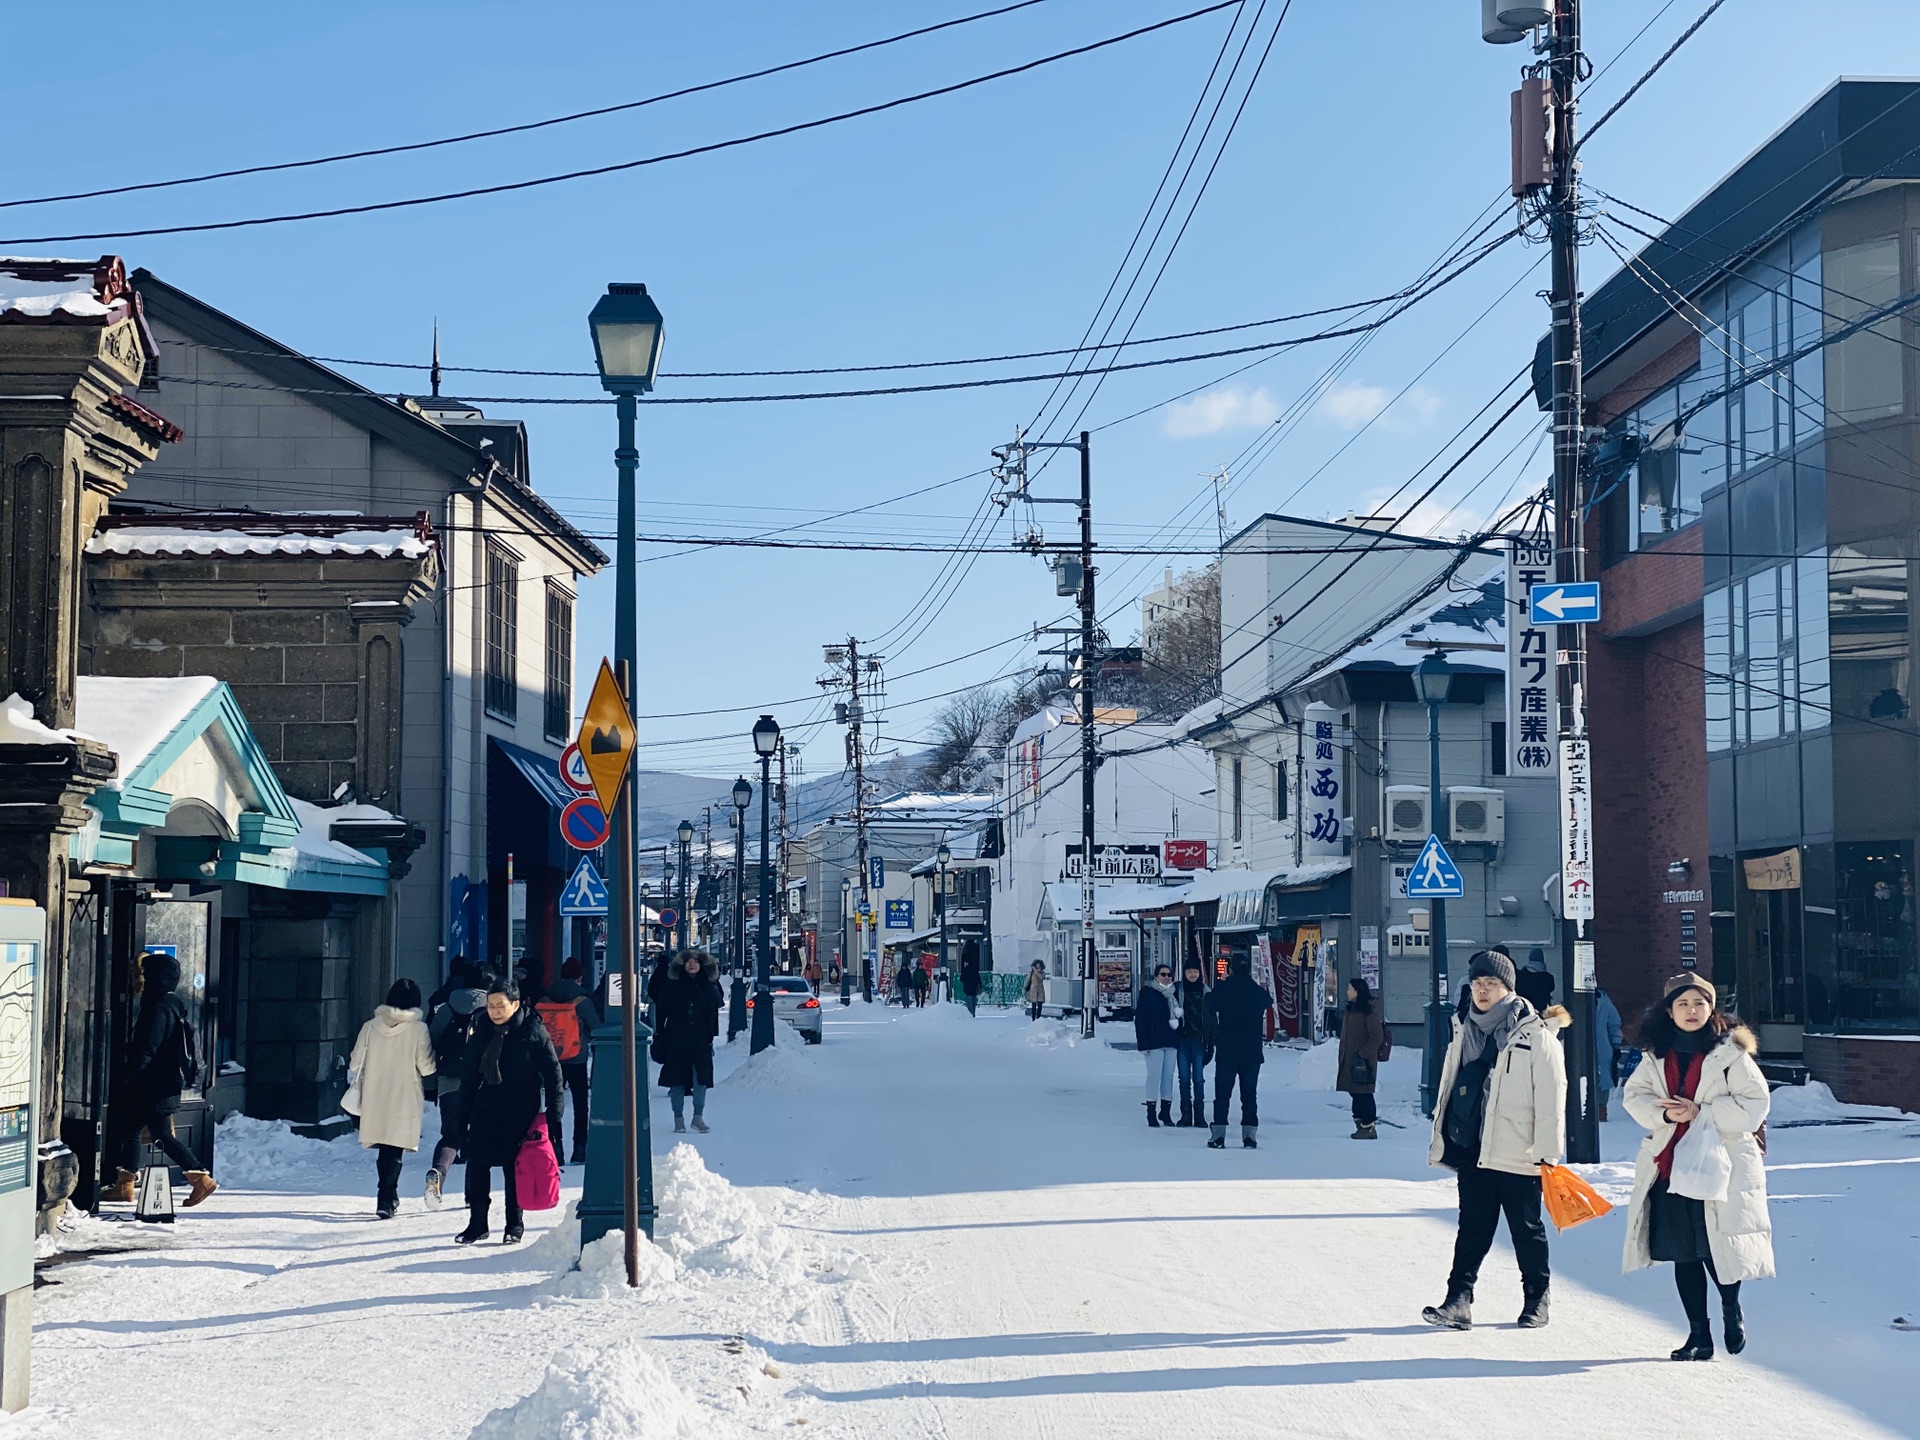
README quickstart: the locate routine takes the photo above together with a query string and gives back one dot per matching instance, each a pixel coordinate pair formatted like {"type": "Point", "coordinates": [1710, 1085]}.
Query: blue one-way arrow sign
{"type": "Point", "coordinates": [586, 893]}
{"type": "Point", "coordinates": [1565, 602]}
{"type": "Point", "coordinates": [1435, 876]}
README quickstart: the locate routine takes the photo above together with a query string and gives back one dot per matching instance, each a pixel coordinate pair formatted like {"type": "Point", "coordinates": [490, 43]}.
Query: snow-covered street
{"type": "Point", "coordinates": [937, 1226]}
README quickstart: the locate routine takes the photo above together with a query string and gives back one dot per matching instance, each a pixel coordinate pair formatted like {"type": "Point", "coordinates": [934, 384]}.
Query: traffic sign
{"type": "Point", "coordinates": [606, 737]}
{"type": "Point", "coordinates": [583, 824]}
{"type": "Point", "coordinates": [1564, 602]}
{"type": "Point", "coordinates": [586, 893]}
{"type": "Point", "coordinates": [573, 770]}
{"type": "Point", "coordinates": [666, 919]}
{"type": "Point", "coordinates": [1435, 876]}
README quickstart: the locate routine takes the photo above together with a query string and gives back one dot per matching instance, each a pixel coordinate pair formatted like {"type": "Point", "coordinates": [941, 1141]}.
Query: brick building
{"type": "Point", "coordinates": [1754, 526]}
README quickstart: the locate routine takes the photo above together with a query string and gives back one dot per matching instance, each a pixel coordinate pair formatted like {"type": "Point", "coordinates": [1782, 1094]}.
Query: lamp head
{"type": "Point", "coordinates": [742, 793]}
{"type": "Point", "coordinates": [685, 831]}
{"type": "Point", "coordinates": [627, 330]}
{"type": "Point", "coordinates": [766, 736]}
{"type": "Point", "coordinates": [943, 855]}
{"type": "Point", "coordinates": [1431, 677]}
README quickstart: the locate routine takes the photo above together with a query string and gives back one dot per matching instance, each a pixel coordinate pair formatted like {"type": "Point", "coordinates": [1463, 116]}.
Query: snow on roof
{"type": "Point", "coordinates": [18, 727]}
{"type": "Point", "coordinates": [1218, 884]}
{"type": "Point", "coordinates": [133, 716]}
{"type": "Point", "coordinates": [1112, 899]}
{"type": "Point", "coordinates": [41, 289]}
{"type": "Point", "coordinates": [313, 839]}
{"type": "Point", "coordinates": [167, 540]}
{"type": "Point", "coordinates": [1449, 620]}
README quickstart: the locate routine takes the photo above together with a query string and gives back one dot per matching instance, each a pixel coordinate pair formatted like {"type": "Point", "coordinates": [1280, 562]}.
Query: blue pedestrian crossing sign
{"type": "Point", "coordinates": [1435, 876]}
{"type": "Point", "coordinates": [1564, 602]}
{"type": "Point", "coordinates": [586, 892]}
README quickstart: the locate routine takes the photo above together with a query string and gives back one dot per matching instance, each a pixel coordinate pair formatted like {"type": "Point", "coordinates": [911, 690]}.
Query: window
{"type": "Point", "coordinates": [1864, 379]}
{"type": "Point", "coordinates": [503, 631]}
{"type": "Point", "coordinates": [559, 721]}
{"type": "Point", "coordinates": [1238, 793]}
{"type": "Point", "coordinates": [1867, 603]}
{"type": "Point", "coordinates": [1874, 978]}
{"type": "Point", "coordinates": [1497, 741]}
{"type": "Point", "coordinates": [1280, 791]}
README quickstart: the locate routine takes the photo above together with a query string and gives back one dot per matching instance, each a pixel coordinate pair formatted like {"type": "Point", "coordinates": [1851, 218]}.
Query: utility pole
{"type": "Point", "coordinates": [780, 843]}
{"type": "Point", "coordinates": [1546, 175]}
{"type": "Point", "coordinates": [852, 713]}
{"type": "Point", "coordinates": [1073, 575]}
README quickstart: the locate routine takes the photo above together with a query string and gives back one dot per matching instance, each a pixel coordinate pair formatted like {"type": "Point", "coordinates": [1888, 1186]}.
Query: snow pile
{"type": "Point", "coordinates": [1814, 1103]}
{"type": "Point", "coordinates": [619, 1393]}
{"type": "Point", "coordinates": [1316, 1068]}
{"type": "Point", "coordinates": [1051, 1034]}
{"type": "Point", "coordinates": [785, 1067]}
{"type": "Point", "coordinates": [267, 1154]}
{"type": "Point", "coordinates": [706, 1224]}
{"type": "Point", "coordinates": [18, 726]}
{"type": "Point", "coordinates": [601, 1272]}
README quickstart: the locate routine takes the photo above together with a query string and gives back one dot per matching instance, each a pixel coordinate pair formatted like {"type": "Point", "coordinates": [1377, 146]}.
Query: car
{"type": "Point", "coordinates": [795, 1002]}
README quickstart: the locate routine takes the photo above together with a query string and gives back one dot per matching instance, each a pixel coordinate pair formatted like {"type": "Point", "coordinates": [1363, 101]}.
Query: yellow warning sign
{"type": "Point", "coordinates": [606, 737]}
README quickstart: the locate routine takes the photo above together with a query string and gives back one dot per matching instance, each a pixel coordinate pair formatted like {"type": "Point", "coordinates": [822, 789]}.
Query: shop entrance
{"type": "Point", "coordinates": [1772, 980]}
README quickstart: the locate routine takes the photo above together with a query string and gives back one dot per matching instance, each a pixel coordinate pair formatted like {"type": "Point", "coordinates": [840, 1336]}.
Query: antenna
{"type": "Point", "coordinates": [433, 375]}
{"type": "Point", "coordinates": [1219, 479]}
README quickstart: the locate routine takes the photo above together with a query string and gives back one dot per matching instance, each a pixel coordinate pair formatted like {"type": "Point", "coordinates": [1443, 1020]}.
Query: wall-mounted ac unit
{"type": "Point", "coordinates": [1406, 943]}
{"type": "Point", "coordinates": [1477, 815]}
{"type": "Point", "coordinates": [1406, 815]}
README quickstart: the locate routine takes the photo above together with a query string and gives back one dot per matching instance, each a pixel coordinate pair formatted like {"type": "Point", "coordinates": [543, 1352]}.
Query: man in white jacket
{"type": "Point", "coordinates": [1500, 1115]}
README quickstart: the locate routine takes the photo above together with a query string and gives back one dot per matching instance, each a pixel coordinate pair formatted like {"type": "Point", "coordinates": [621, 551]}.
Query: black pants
{"type": "Point", "coordinates": [1690, 1279]}
{"type": "Point", "coordinates": [155, 1117]}
{"type": "Point", "coordinates": [1365, 1112]}
{"type": "Point", "coordinates": [574, 1073]}
{"type": "Point", "coordinates": [480, 1192]}
{"type": "Point", "coordinates": [1484, 1195]}
{"type": "Point", "coordinates": [386, 1165]}
{"type": "Point", "coordinates": [1247, 1073]}
{"type": "Point", "coordinates": [1033, 1010]}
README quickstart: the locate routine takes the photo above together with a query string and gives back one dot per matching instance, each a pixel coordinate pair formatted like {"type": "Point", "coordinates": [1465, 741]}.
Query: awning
{"type": "Point", "coordinates": [526, 822]}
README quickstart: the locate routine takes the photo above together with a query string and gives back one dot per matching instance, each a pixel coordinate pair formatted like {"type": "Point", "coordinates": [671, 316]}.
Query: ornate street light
{"type": "Point", "coordinates": [766, 743]}
{"type": "Point", "coordinates": [942, 857]}
{"type": "Point", "coordinates": [737, 1000]}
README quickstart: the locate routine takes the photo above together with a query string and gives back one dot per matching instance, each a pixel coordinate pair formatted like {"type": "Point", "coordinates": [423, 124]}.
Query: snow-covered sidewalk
{"type": "Point", "coordinates": [939, 1226]}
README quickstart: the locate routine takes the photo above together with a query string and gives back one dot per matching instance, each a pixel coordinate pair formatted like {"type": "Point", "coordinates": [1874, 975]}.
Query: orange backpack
{"type": "Point", "coordinates": [562, 1020]}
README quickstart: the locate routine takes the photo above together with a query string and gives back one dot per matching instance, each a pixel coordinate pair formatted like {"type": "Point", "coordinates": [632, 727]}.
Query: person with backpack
{"type": "Point", "coordinates": [452, 1026]}
{"type": "Point", "coordinates": [392, 1055]}
{"type": "Point", "coordinates": [1363, 1041]}
{"type": "Point", "coordinates": [509, 1078]}
{"type": "Point", "coordinates": [570, 1016]}
{"type": "Point", "coordinates": [160, 1062]}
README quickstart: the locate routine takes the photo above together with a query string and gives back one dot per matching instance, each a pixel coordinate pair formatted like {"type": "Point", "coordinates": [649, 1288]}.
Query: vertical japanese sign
{"type": "Point", "coordinates": [1576, 830]}
{"type": "Point", "coordinates": [1530, 666]}
{"type": "Point", "coordinates": [1323, 768]}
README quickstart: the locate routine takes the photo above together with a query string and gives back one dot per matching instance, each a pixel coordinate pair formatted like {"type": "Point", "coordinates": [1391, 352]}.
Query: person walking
{"type": "Point", "coordinates": [1609, 1040]}
{"type": "Point", "coordinates": [452, 1026]}
{"type": "Point", "coordinates": [1698, 1069]}
{"type": "Point", "coordinates": [571, 1017]}
{"type": "Point", "coordinates": [1534, 982]}
{"type": "Point", "coordinates": [509, 1076]}
{"type": "Point", "coordinates": [1236, 1031]}
{"type": "Point", "coordinates": [686, 1018]}
{"type": "Point", "coordinates": [1362, 1037]}
{"type": "Point", "coordinates": [922, 986]}
{"type": "Point", "coordinates": [1499, 1115]}
{"type": "Point", "coordinates": [1190, 1058]}
{"type": "Point", "coordinates": [1156, 1034]}
{"type": "Point", "coordinates": [970, 975]}
{"type": "Point", "coordinates": [1034, 992]}
{"type": "Point", "coordinates": [391, 1057]}
{"type": "Point", "coordinates": [903, 984]}
{"type": "Point", "coordinates": [159, 1062]}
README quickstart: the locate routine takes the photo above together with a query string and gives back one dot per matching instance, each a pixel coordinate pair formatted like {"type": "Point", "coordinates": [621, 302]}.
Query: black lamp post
{"type": "Point", "coordinates": [942, 857]}
{"type": "Point", "coordinates": [627, 332]}
{"type": "Point", "coordinates": [1431, 677]}
{"type": "Point", "coordinates": [684, 834]}
{"type": "Point", "coordinates": [846, 943]}
{"type": "Point", "coordinates": [737, 1002]}
{"type": "Point", "coordinates": [766, 743]}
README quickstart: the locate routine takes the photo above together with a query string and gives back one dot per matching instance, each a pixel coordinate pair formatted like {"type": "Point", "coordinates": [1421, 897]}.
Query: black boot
{"type": "Point", "coordinates": [1153, 1116]}
{"type": "Point", "coordinates": [1218, 1139]}
{"type": "Point", "coordinates": [1166, 1113]}
{"type": "Point", "coordinates": [1455, 1314]}
{"type": "Point", "coordinates": [1698, 1347]}
{"type": "Point", "coordinates": [1247, 1142]}
{"type": "Point", "coordinates": [476, 1228]}
{"type": "Point", "coordinates": [1533, 1312]}
{"type": "Point", "coordinates": [1185, 1122]}
{"type": "Point", "coordinates": [1736, 1321]}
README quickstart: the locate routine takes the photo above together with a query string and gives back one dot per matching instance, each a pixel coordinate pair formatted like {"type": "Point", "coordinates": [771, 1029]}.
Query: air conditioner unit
{"type": "Point", "coordinates": [1406, 943]}
{"type": "Point", "coordinates": [1406, 815]}
{"type": "Point", "coordinates": [1477, 815]}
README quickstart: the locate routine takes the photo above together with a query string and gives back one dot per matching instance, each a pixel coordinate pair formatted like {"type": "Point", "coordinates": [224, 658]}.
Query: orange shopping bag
{"type": "Point", "coordinates": [1570, 1200]}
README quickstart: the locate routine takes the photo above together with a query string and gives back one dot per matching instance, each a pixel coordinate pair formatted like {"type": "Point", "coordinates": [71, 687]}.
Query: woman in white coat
{"type": "Point", "coordinates": [1697, 1068]}
{"type": "Point", "coordinates": [391, 1057]}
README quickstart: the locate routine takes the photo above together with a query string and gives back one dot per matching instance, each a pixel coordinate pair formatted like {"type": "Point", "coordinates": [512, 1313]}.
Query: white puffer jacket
{"type": "Point", "coordinates": [389, 1059]}
{"type": "Point", "coordinates": [1525, 1122]}
{"type": "Point", "coordinates": [1733, 1097]}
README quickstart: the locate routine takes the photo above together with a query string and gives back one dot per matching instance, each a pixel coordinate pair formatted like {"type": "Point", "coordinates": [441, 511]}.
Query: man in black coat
{"type": "Point", "coordinates": [156, 1067]}
{"type": "Point", "coordinates": [509, 1074]}
{"type": "Point", "coordinates": [970, 975]}
{"type": "Point", "coordinates": [1236, 1028]}
{"type": "Point", "coordinates": [686, 1009]}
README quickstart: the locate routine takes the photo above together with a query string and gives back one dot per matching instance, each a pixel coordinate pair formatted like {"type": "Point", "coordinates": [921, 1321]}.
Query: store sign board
{"type": "Point", "coordinates": [1116, 862]}
{"type": "Point", "coordinates": [1576, 829]}
{"type": "Point", "coordinates": [1184, 854]}
{"type": "Point", "coordinates": [1531, 681]}
{"type": "Point", "coordinates": [1323, 775]}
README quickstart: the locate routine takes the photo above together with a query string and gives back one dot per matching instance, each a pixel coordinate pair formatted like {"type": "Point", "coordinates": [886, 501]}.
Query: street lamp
{"type": "Point", "coordinates": [846, 944]}
{"type": "Point", "coordinates": [627, 329]}
{"type": "Point", "coordinates": [766, 743]}
{"type": "Point", "coordinates": [737, 1002]}
{"type": "Point", "coordinates": [684, 833]}
{"type": "Point", "coordinates": [942, 857]}
{"type": "Point", "coordinates": [1431, 679]}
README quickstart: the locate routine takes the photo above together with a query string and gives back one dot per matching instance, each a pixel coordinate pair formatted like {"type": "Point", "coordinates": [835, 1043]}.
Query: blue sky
{"type": "Point", "coordinates": [980, 223]}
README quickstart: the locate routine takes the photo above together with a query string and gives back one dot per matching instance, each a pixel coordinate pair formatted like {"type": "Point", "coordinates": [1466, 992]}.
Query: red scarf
{"type": "Point", "coordinates": [1683, 1078]}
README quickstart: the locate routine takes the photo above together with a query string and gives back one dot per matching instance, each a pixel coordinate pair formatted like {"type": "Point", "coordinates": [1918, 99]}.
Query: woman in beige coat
{"type": "Point", "coordinates": [1697, 1068]}
{"type": "Point", "coordinates": [391, 1057]}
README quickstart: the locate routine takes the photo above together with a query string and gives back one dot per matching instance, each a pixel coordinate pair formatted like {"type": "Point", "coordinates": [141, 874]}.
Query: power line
{"type": "Point", "coordinates": [1652, 70]}
{"type": "Point", "coordinates": [626, 165]}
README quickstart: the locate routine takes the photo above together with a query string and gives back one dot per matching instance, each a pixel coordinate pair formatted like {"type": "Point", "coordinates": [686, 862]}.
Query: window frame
{"type": "Point", "coordinates": [558, 699]}
{"type": "Point", "coordinates": [500, 639]}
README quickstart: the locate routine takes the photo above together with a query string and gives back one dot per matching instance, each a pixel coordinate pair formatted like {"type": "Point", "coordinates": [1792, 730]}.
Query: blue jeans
{"type": "Point", "coordinates": [1193, 1075]}
{"type": "Point", "coordinates": [677, 1097]}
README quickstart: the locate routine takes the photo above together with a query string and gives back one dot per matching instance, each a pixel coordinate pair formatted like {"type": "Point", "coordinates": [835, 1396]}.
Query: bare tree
{"type": "Point", "coordinates": [1182, 655]}
{"type": "Point", "coordinates": [963, 750]}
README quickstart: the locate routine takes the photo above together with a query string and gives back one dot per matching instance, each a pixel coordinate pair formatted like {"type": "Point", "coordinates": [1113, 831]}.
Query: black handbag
{"type": "Point", "coordinates": [1361, 1070]}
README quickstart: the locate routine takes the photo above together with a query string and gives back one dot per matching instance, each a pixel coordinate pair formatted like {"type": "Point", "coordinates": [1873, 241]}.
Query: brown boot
{"type": "Point", "coordinates": [200, 1186]}
{"type": "Point", "coordinates": [120, 1192]}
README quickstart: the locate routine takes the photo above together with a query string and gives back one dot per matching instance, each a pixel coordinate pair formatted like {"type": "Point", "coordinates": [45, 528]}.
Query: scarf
{"type": "Point", "coordinates": [1682, 1067]}
{"type": "Point", "coordinates": [490, 1057]}
{"type": "Point", "coordinates": [1494, 1025]}
{"type": "Point", "coordinates": [1174, 1010]}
